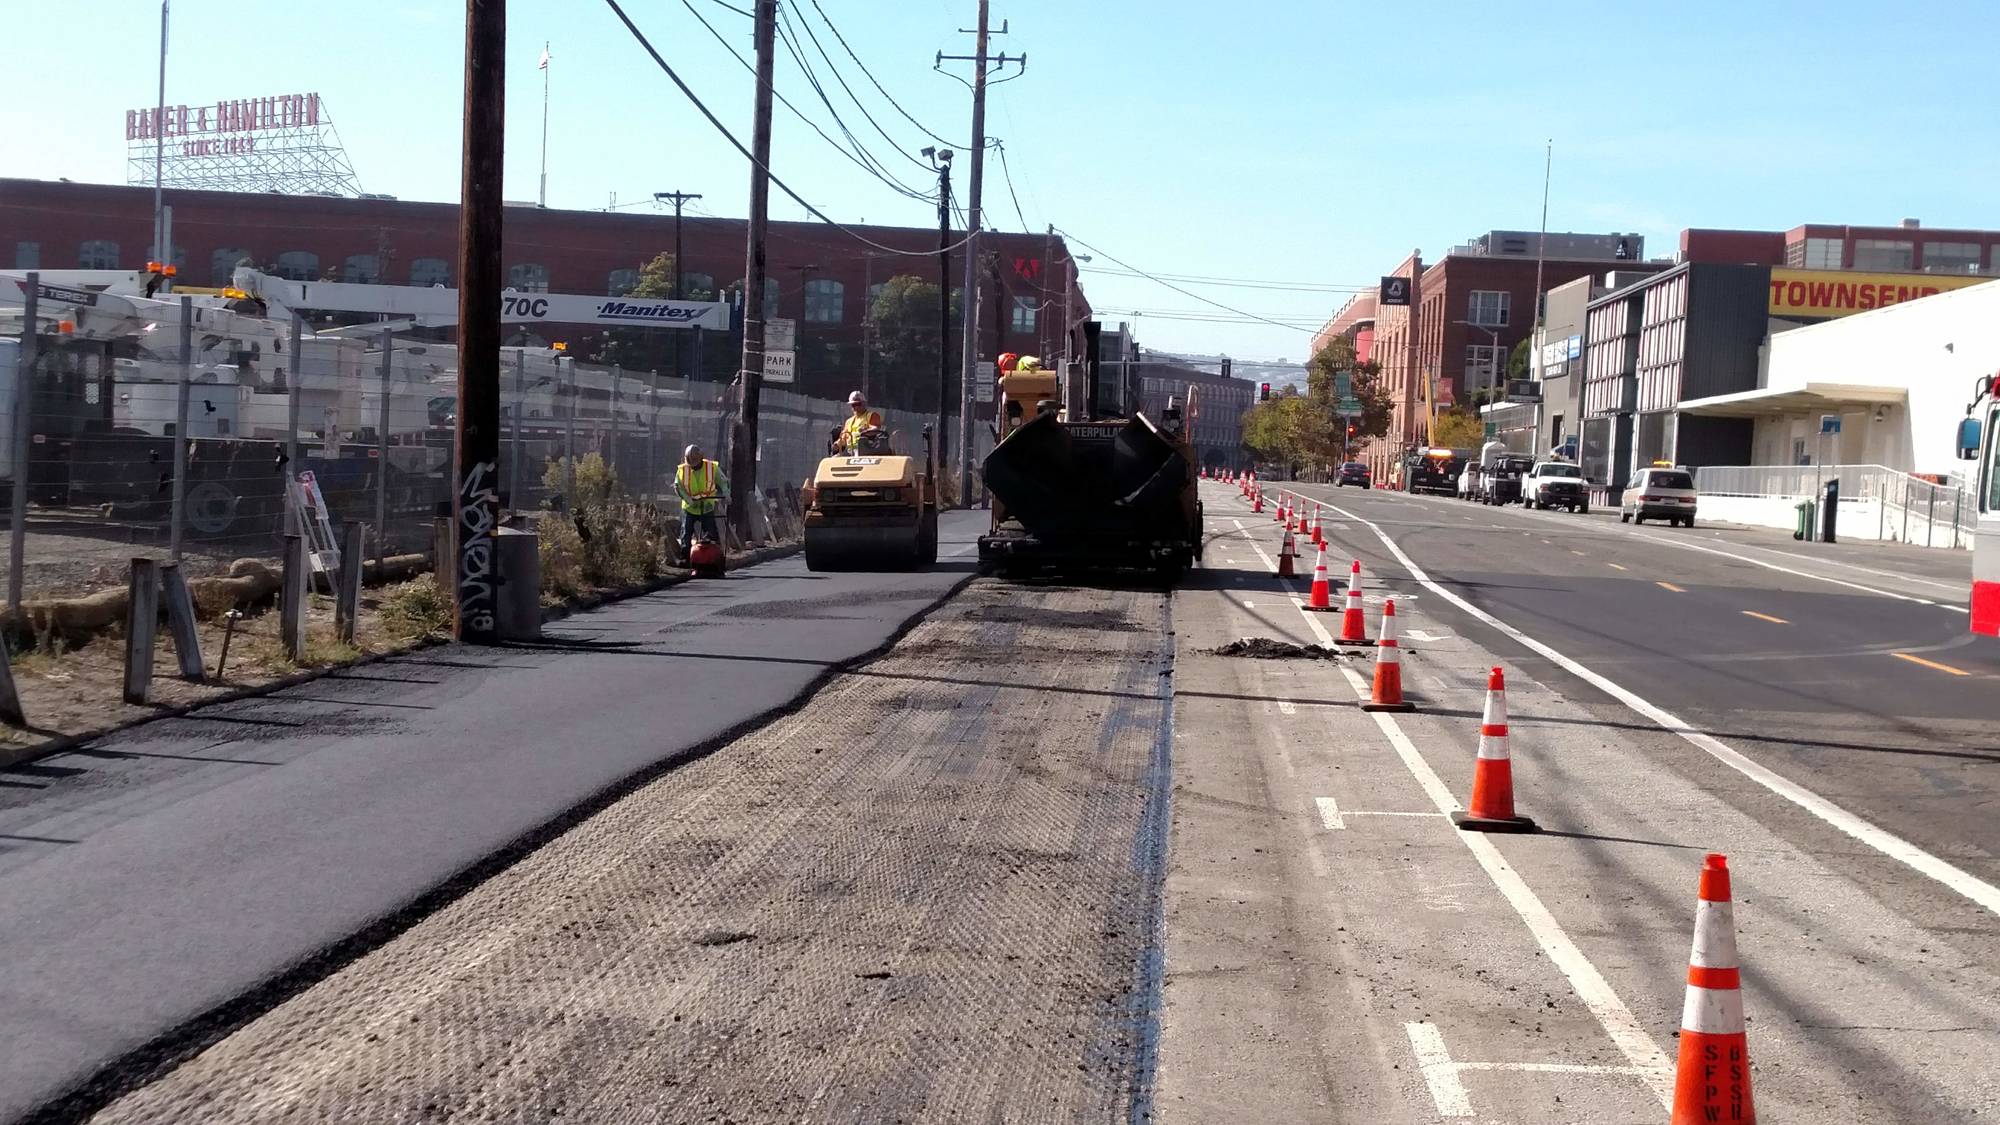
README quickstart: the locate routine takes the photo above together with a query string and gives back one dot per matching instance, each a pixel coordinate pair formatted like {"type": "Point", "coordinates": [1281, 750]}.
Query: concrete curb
{"type": "Point", "coordinates": [11, 756]}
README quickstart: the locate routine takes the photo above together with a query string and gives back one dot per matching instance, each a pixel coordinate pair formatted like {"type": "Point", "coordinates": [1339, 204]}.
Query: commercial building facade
{"type": "Point", "coordinates": [818, 276]}
{"type": "Point", "coordinates": [1354, 322]}
{"type": "Point", "coordinates": [1216, 429]}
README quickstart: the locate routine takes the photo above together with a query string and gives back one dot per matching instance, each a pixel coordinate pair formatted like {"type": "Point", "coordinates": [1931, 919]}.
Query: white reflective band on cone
{"type": "Point", "coordinates": [1714, 935]}
{"type": "Point", "coordinates": [1493, 747]}
{"type": "Point", "coordinates": [1713, 1011]}
{"type": "Point", "coordinates": [1496, 707]}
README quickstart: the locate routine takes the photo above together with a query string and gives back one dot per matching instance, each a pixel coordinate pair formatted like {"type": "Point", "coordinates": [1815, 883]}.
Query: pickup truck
{"type": "Point", "coordinates": [1556, 484]}
{"type": "Point", "coordinates": [1500, 480]}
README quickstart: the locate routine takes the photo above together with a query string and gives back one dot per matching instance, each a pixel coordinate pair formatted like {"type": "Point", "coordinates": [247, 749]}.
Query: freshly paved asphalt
{"type": "Point", "coordinates": [165, 883]}
{"type": "Point", "coordinates": [1819, 694]}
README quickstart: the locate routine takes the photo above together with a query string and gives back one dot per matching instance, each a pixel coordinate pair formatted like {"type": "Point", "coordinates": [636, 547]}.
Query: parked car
{"type": "Point", "coordinates": [1468, 482]}
{"type": "Point", "coordinates": [1556, 484]}
{"type": "Point", "coordinates": [1354, 472]}
{"type": "Point", "coordinates": [1659, 491]}
{"type": "Point", "coordinates": [1500, 480]}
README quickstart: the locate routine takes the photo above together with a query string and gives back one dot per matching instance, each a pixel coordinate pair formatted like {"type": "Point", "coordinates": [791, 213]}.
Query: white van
{"type": "Point", "coordinates": [1659, 491]}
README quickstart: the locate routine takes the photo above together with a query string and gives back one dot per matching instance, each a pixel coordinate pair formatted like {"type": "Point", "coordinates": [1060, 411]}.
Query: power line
{"type": "Point", "coordinates": [865, 166]}
{"type": "Point", "coordinates": [1008, 173]}
{"type": "Point", "coordinates": [835, 71]}
{"type": "Point", "coordinates": [1284, 286]}
{"type": "Point", "coordinates": [878, 85]}
{"type": "Point", "coordinates": [792, 48]}
{"type": "Point", "coordinates": [1178, 289]}
{"type": "Point", "coordinates": [816, 213]}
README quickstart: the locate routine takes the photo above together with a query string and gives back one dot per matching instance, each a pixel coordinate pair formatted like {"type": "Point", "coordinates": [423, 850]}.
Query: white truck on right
{"type": "Point", "coordinates": [1556, 484]}
{"type": "Point", "coordinates": [1979, 442]}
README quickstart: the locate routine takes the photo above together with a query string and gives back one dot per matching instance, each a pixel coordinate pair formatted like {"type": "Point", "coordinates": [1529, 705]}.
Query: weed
{"type": "Point", "coordinates": [415, 609]}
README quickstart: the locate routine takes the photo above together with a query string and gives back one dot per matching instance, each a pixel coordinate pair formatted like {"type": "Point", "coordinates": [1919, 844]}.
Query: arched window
{"type": "Point", "coordinates": [824, 300]}
{"type": "Point", "coordinates": [770, 297]}
{"type": "Point", "coordinates": [298, 265]}
{"type": "Point", "coordinates": [97, 254]}
{"type": "Point", "coordinates": [430, 271]}
{"type": "Point", "coordinates": [621, 282]}
{"type": "Point", "coordinates": [361, 269]}
{"type": "Point", "coordinates": [528, 277]}
{"type": "Point", "coordinates": [222, 264]}
{"type": "Point", "coordinates": [697, 287]}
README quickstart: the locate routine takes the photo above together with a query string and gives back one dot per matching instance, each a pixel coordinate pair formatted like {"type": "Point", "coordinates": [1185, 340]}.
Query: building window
{"type": "Point", "coordinates": [1884, 254]}
{"type": "Point", "coordinates": [1951, 257]}
{"type": "Point", "coordinates": [27, 255]}
{"type": "Point", "coordinates": [697, 287]}
{"type": "Point", "coordinates": [621, 282]}
{"type": "Point", "coordinates": [1483, 365]}
{"type": "Point", "coordinates": [528, 277]}
{"type": "Point", "coordinates": [875, 291]}
{"type": "Point", "coordinates": [361, 269]}
{"type": "Point", "coordinates": [824, 300]}
{"type": "Point", "coordinates": [298, 265]}
{"type": "Point", "coordinates": [223, 262]}
{"type": "Point", "coordinates": [97, 254]}
{"type": "Point", "coordinates": [770, 297]}
{"type": "Point", "coordinates": [1025, 309]}
{"type": "Point", "coordinates": [430, 271]}
{"type": "Point", "coordinates": [1823, 253]}
{"type": "Point", "coordinates": [1488, 307]}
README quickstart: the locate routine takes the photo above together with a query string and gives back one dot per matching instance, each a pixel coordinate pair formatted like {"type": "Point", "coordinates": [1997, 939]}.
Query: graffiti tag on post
{"type": "Point", "coordinates": [478, 511]}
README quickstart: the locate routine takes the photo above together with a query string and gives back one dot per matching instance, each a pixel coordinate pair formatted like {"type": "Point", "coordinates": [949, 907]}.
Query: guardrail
{"type": "Point", "coordinates": [1876, 501]}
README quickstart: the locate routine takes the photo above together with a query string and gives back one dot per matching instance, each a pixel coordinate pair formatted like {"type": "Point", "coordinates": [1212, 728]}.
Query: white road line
{"type": "Point", "coordinates": [1329, 814]}
{"type": "Point", "coordinates": [1384, 812]}
{"type": "Point", "coordinates": [1285, 707]}
{"type": "Point", "coordinates": [1895, 847]}
{"type": "Point", "coordinates": [1440, 1074]}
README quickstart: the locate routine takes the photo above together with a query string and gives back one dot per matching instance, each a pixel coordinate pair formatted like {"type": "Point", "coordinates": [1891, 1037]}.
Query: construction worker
{"type": "Point", "coordinates": [699, 483]}
{"type": "Point", "coordinates": [860, 418]}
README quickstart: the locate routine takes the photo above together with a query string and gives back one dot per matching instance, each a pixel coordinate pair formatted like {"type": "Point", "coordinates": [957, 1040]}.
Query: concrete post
{"type": "Point", "coordinates": [142, 618]}
{"type": "Point", "coordinates": [292, 598]}
{"type": "Point", "coordinates": [347, 595]}
{"type": "Point", "coordinates": [180, 621]}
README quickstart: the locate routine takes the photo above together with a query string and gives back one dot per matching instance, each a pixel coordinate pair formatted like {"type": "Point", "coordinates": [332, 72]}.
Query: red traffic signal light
{"type": "Point", "coordinates": [1350, 429]}
{"type": "Point", "coordinates": [1264, 392]}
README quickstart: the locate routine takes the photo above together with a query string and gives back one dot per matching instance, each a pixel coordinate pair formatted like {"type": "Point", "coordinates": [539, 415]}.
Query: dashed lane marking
{"type": "Point", "coordinates": [1957, 879]}
{"type": "Point", "coordinates": [1765, 617]}
{"type": "Point", "coordinates": [1930, 664]}
{"type": "Point", "coordinates": [1670, 586]}
{"type": "Point", "coordinates": [1614, 566]}
{"type": "Point", "coordinates": [1329, 814]}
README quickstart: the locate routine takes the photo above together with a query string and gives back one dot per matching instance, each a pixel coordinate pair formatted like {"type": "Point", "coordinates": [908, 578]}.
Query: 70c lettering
{"type": "Point", "coordinates": [536, 307]}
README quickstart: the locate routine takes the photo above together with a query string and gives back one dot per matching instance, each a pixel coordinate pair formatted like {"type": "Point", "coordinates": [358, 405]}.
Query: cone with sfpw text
{"type": "Point", "coordinates": [1320, 597]}
{"type": "Point", "coordinates": [1388, 692]}
{"type": "Point", "coordinates": [1353, 623]}
{"type": "Point", "coordinates": [1492, 806]}
{"type": "Point", "coordinates": [1287, 551]}
{"type": "Point", "coordinates": [1712, 1080]}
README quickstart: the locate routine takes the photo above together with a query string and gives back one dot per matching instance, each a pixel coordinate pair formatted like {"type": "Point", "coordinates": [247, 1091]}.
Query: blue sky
{"type": "Point", "coordinates": [1294, 140]}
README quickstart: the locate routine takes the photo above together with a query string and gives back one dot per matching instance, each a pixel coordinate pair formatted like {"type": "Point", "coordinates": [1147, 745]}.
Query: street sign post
{"type": "Point", "coordinates": [1829, 423]}
{"type": "Point", "coordinates": [780, 350]}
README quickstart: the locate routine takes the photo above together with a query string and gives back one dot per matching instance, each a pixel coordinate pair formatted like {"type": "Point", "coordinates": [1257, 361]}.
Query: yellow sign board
{"type": "Point", "coordinates": [1830, 293]}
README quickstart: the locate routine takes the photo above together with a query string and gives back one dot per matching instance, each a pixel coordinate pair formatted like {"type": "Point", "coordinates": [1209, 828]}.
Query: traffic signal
{"type": "Point", "coordinates": [1264, 392]}
{"type": "Point", "coordinates": [1350, 429]}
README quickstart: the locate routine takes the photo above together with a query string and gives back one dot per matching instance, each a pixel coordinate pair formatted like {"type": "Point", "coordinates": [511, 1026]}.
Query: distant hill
{"type": "Point", "coordinates": [1277, 372]}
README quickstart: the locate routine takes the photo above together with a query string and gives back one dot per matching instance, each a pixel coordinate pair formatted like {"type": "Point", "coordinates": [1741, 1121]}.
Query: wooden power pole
{"type": "Point", "coordinates": [743, 444]}
{"type": "Point", "coordinates": [475, 495]}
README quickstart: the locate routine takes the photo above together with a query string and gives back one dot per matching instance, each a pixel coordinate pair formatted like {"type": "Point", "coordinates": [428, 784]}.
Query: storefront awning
{"type": "Point", "coordinates": [1809, 399]}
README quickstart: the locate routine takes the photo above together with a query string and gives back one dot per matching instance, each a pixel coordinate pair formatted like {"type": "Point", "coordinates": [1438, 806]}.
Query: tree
{"type": "Point", "coordinates": [1517, 361]}
{"type": "Point", "coordinates": [1458, 429]}
{"type": "Point", "coordinates": [903, 335]}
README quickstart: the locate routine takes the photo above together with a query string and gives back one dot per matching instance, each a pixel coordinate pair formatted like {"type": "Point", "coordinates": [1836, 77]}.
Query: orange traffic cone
{"type": "Point", "coordinates": [1712, 1082]}
{"type": "Point", "coordinates": [1320, 597]}
{"type": "Point", "coordinates": [1319, 539]}
{"type": "Point", "coordinates": [1284, 508]}
{"type": "Point", "coordinates": [1286, 553]}
{"type": "Point", "coordinates": [1388, 695]}
{"type": "Point", "coordinates": [1353, 626]}
{"type": "Point", "coordinates": [1256, 501]}
{"type": "Point", "coordinates": [1493, 774]}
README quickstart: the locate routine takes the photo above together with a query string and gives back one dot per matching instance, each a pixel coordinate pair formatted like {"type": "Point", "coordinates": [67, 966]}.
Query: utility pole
{"type": "Point", "coordinates": [679, 199]}
{"type": "Point", "coordinates": [542, 200]}
{"type": "Point", "coordinates": [743, 443]}
{"type": "Point", "coordinates": [969, 349]}
{"type": "Point", "coordinates": [160, 248]}
{"type": "Point", "coordinates": [943, 162]}
{"type": "Point", "coordinates": [867, 316]}
{"type": "Point", "coordinates": [475, 500]}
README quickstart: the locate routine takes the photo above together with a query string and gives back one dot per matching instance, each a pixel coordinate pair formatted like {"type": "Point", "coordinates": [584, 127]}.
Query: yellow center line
{"type": "Point", "coordinates": [1614, 566]}
{"type": "Point", "coordinates": [1930, 664]}
{"type": "Point", "coordinates": [1670, 586]}
{"type": "Point", "coordinates": [1765, 617]}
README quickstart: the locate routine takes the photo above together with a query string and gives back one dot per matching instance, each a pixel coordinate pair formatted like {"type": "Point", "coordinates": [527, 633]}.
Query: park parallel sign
{"type": "Point", "coordinates": [1821, 294]}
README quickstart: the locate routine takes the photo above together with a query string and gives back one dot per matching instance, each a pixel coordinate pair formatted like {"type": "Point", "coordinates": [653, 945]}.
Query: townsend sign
{"type": "Point", "coordinates": [1830, 293]}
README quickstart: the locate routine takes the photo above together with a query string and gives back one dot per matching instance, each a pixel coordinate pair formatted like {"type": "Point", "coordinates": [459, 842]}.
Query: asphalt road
{"type": "Point", "coordinates": [175, 879]}
{"type": "Point", "coordinates": [1337, 951]}
{"type": "Point", "coordinates": [1850, 672]}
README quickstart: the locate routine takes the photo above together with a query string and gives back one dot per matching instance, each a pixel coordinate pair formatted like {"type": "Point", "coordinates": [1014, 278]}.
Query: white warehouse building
{"type": "Point", "coordinates": [1899, 377]}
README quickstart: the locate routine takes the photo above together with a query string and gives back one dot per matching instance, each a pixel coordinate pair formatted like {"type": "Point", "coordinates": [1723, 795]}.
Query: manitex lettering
{"type": "Point", "coordinates": [625, 310]}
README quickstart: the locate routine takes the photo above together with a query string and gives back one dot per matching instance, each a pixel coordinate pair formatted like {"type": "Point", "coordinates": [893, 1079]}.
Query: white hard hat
{"type": "Point", "coordinates": [691, 451]}
{"type": "Point", "coordinates": [856, 397]}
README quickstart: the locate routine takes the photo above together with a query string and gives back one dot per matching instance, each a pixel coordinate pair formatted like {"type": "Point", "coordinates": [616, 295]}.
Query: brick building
{"type": "Point", "coordinates": [1356, 322]}
{"type": "Point", "coordinates": [1905, 248]}
{"type": "Point", "coordinates": [818, 276]}
{"type": "Point", "coordinates": [1217, 431]}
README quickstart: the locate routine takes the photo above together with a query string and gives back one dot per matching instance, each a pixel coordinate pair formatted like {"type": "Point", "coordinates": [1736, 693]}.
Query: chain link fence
{"type": "Point", "coordinates": [213, 449]}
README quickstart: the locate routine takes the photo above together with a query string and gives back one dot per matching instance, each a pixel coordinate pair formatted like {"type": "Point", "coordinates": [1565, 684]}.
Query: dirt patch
{"type": "Point", "coordinates": [1264, 648]}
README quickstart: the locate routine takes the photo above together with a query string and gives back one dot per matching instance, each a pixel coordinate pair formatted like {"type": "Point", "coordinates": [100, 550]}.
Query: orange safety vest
{"type": "Point", "coordinates": [697, 483]}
